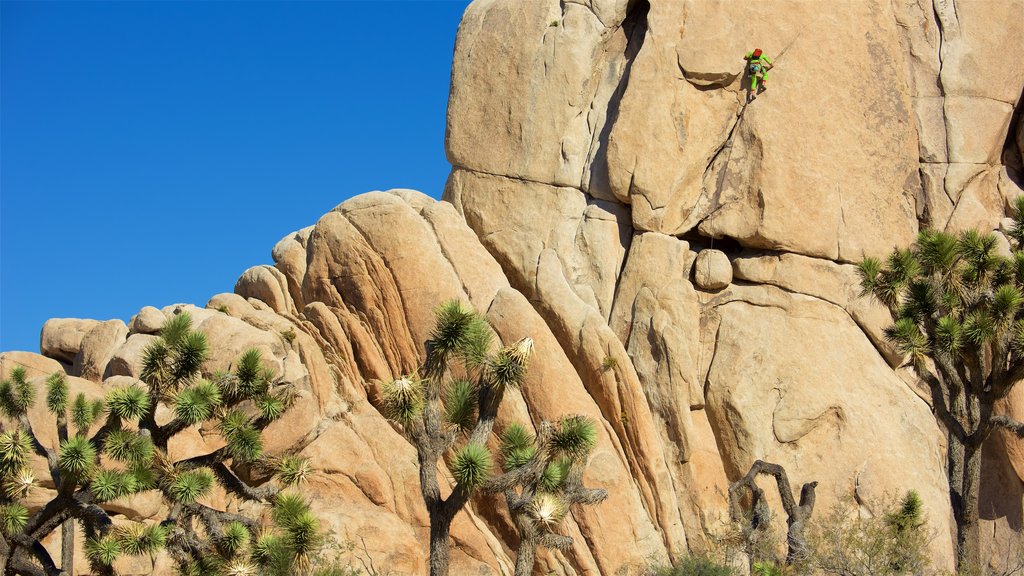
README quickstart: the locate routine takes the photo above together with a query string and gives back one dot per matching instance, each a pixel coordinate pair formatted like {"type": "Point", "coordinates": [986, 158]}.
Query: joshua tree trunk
{"type": "Point", "coordinates": [797, 515]}
{"type": "Point", "coordinates": [67, 548]}
{"type": "Point", "coordinates": [524, 558]}
{"type": "Point", "coordinates": [965, 509]}
{"type": "Point", "coordinates": [439, 548]}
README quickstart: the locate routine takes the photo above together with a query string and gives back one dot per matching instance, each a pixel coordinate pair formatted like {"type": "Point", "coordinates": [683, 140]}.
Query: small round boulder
{"type": "Point", "coordinates": [712, 270]}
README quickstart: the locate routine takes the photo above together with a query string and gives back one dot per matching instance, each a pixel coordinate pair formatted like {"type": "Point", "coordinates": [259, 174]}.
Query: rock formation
{"type": "Point", "coordinates": [683, 261]}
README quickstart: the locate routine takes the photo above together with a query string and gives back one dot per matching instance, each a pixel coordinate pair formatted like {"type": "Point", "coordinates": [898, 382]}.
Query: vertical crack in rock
{"type": "Point", "coordinates": [1013, 147]}
{"type": "Point", "coordinates": [635, 28]}
{"type": "Point", "coordinates": [948, 23]}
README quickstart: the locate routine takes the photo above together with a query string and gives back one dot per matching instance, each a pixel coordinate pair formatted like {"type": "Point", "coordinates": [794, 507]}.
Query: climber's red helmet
{"type": "Point", "coordinates": [757, 52]}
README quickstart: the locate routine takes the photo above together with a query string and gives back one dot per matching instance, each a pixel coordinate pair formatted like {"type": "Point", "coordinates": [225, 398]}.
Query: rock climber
{"type": "Point", "coordinates": [758, 66]}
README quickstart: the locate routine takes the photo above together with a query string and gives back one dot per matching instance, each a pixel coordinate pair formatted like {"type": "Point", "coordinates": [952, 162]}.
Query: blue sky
{"type": "Point", "coordinates": [150, 152]}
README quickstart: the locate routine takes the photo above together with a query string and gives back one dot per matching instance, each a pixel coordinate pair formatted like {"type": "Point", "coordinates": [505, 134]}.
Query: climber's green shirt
{"type": "Point", "coordinates": [758, 67]}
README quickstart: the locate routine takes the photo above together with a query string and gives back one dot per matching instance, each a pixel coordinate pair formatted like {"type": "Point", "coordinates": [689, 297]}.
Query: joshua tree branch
{"type": "Point", "coordinates": [236, 486]}
{"type": "Point", "coordinates": [37, 446]}
{"type": "Point", "coordinates": [555, 541]}
{"type": "Point", "coordinates": [941, 408]}
{"type": "Point", "coordinates": [1009, 424]}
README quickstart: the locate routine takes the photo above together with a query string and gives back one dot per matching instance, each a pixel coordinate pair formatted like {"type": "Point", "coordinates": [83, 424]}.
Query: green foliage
{"type": "Point", "coordinates": [507, 369]}
{"type": "Point", "coordinates": [609, 363]}
{"type": "Point", "coordinates": [575, 437]}
{"type": "Point", "coordinates": [57, 394]}
{"type": "Point", "coordinates": [129, 402]}
{"type": "Point", "coordinates": [174, 360]}
{"type": "Point", "coordinates": [293, 470]}
{"type": "Point", "coordinates": [16, 394]}
{"type": "Point", "coordinates": [129, 447]}
{"type": "Point", "coordinates": [137, 539]}
{"type": "Point", "coordinates": [289, 335]}
{"type": "Point", "coordinates": [459, 332]}
{"type": "Point", "coordinates": [887, 544]}
{"type": "Point", "coordinates": [460, 404]}
{"type": "Point", "coordinates": [17, 483]}
{"type": "Point", "coordinates": [15, 446]}
{"type": "Point", "coordinates": [250, 373]}
{"type": "Point", "coordinates": [13, 518]}
{"type": "Point", "coordinates": [102, 551]}
{"type": "Point", "coordinates": [236, 537]}
{"type": "Point", "coordinates": [77, 457]}
{"type": "Point", "coordinates": [403, 399]}
{"type": "Point", "coordinates": [201, 540]}
{"type": "Point", "coordinates": [112, 484]}
{"type": "Point", "coordinates": [245, 444]}
{"type": "Point", "coordinates": [517, 446]}
{"type": "Point", "coordinates": [472, 465]}
{"type": "Point", "coordinates": [270, 407]}
{"type": "Point", "coordinates": [84, 413]}
{"type": "Point", "coordinates": [189, 486]}
{"type": "Point", "coordinates": [554, 475]}
{"type": "Point", "coordinates": [192, 351]}
{"type": "Point", "coordinates": [197, 402]}
{"type": "Point", "coordinates": [694, 565]}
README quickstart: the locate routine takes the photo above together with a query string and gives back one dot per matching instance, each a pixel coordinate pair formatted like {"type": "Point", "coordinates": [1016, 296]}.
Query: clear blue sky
{"type": "Point", "coordinates": [150, 152]}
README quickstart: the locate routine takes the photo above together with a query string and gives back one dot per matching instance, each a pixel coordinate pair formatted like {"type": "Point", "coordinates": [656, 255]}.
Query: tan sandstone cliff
{"type": "Point", "coordinates": [683, 263]}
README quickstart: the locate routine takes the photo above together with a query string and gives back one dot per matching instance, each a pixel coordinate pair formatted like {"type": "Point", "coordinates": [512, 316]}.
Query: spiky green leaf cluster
{"type": "Point", "coordinates": [85, 412]}
{"type": "Point", "coordinates": [245, 444]}
{"type": "Point", "coordinates": [175, 358]}
{"type": "Point", "coordinates": [472, 465]}
{"type": "Point", "coordinates": [300, 532]}
{"type": "Point", "coordinates": [252, 378]}
{"type": "Point", "coordinates": [197, 402]}
{"type": "Point", "coordinates": [190, 485]}
{"type": "Point", "coordinates": [575, 437]}
{"type": "Point", "coordinates": [244, 441]}
{"type": "Point", "coordinates": [15, 475]}
{"type": "Point", "coordinates": [129, 447]}
{"type": "Point", "coordinates": [909, 515]}
{"type": "Point", "coordinates": [235, 537]}
{"type": "Point", "coordinates": [128, 403]}
{"type": "Point", "coordinates": [112, 484]}
{"type": "Point", "coordinates": [57, 394]}
{"type": "Point", "coordinates": [459, 332]}
{"type": "Point", "coordinates": [293, 470]}
{"type": "Point", "coordinates": [77, 457]}
{"type": "Point", "coordinates": [555, 474]}
{"type": "Point", "coordinates": [17, 483]}
{"type": "Point", "coordinates": [403, 399]}
{"type": "Point", "coordinates": [16, 394]}
{"type": "Point", "coordinates": [102, 551]}
{"type": "Point", "coordinates": [137, 539]}
{"type": "Point", "coordinates": [15, 446]}
{"type": "Point", "coordinates": [460, 404]}
{"type": "Point", "coordinates": [517, 446]}
{"type": "Point", "coordinates": [507, 368]}
{"type": "Point", "coordinates": [13, 518]}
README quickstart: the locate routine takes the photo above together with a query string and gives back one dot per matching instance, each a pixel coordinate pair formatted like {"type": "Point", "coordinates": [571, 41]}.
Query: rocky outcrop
{"type": "Point", "coordinates": [682, 259]}
{"type": "Point", "coordinates": [881, 118]}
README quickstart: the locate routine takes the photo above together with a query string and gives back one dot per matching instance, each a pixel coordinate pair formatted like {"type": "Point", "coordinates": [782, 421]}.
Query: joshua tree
{"type": "Point", "coordinates": [797, 515]}
{"type": "Point", "coordinates": [450, 405]}
{"type": "Point", "coordinates": [128, 454]}
{"type": "Point", "coordinates": [543, 480]}
{"type": "Point", "coordinates": [958, 318]}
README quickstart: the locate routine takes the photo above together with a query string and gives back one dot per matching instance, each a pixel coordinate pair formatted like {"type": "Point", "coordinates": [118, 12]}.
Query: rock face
{"type": "Point", "coordinates": [682, 259]}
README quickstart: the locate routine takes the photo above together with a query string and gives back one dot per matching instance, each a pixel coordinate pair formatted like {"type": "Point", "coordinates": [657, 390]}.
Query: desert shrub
{"type": "Point", "coordinates": [693, 565]}
{"type": "Point", "coordinates": [894, 542]}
